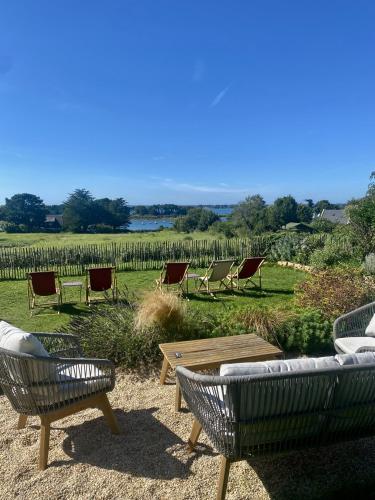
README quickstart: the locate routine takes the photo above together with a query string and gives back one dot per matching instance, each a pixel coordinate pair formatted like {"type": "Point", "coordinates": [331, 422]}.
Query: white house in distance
{"type": "Point", "coordinates": [336, 216]}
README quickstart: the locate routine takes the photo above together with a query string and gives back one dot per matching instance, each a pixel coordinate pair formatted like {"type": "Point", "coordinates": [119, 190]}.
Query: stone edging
{"type": "Point", "coordinates": [295, 265]}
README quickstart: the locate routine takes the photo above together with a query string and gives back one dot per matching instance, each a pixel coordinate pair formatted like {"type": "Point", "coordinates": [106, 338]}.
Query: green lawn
{"type": "Point", "coordinates": [278, 285]}
{"type": "Point", "coordinates": [67, 239]}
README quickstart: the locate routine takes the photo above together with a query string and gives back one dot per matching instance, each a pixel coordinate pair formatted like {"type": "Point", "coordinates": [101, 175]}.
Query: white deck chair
{"type": "Point", "coordinates": [216, 273]}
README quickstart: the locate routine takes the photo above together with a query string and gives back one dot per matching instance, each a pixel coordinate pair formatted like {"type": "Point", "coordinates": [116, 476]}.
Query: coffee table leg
{"type": "Point", "coordinates": [164, 371]}
{"type": "Point", "coordinates": [178, 397]}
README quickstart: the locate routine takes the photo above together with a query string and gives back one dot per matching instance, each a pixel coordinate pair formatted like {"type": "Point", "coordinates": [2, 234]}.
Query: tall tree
{"type": "Point", "coordinates": [284, 210]}
{"type": "Point", "coordinates": [79, 211]}
{"type": "Point", "coordinates": [112, 212]}
{"type": "Point", "coordinates": [250, 216]}
{"type": "Point", "coordinates": [304, 213]}
{"type": "Point", "coordinates": [27, 209]}
{"type": "Point", "coordinates": [362, 219]}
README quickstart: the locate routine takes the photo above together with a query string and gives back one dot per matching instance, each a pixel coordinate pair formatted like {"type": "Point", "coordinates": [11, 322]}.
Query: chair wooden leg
{"type": "Point", "coordinates": [44, 443]}
{"type": "Point", "coordinates": [223, 478]}
{"type": "Point", "coordinates": [178, 397]}
{"type": "Point", "coordinates": [22, 419]}
{"type": "Point", "coordinates": [194, 435]}
{"type": "Point", "coordinates": [164, 371]}
{"type": "Point", "coordinates": [109, 415]}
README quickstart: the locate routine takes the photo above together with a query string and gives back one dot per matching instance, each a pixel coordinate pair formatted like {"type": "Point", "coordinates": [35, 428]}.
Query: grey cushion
{"type": "Point", "coordinates": [75, 383]}
{"type": "Point", "coordinates": [17, 340]}
{"type": "Point", "coordinates": [351, 345]}
{"type": "Point", "coordinates": [370, 330]}
{"type": "Point", "coordinates": [355, 359]}
{"type": "Point", "coordinates": [278, 366]}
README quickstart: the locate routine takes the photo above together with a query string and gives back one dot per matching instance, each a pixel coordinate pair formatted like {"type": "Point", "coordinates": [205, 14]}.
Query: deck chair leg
{"type": "Point", "coordinates": [223, 478]}
{"type": "Point", "coordinates": [44, 443]}
{"type": "Point", "coordinates": [22, 419]}
{"type": "Point", "coordinates": [106, 408]}
{"type": "Point", "coordinates": [194, 435]}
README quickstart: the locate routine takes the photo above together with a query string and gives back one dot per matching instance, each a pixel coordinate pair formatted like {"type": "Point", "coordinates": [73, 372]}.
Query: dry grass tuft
{"type": "Point", "coordinates": [264, 322]}
{"type": "Point", "coordinates": [160, 308]}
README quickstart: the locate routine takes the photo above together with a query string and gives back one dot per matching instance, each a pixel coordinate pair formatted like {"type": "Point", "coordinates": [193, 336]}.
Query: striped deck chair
{"type": "Point", "coordinates": [173, 274]}
{"type": "Point", "coordinates": [216, 273]}
{"type": "Point", "coordinates": [246, 271]}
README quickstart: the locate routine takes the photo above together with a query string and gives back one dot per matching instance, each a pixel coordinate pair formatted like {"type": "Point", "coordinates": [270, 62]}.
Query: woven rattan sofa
{"type": "Point", "coordinates": [55, 385]}
{"type": "Point", "coordinates": [257, 408]}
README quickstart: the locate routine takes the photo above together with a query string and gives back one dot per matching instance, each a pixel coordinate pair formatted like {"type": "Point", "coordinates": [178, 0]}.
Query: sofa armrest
{"type": "Point", "coordinates": [354, 323]}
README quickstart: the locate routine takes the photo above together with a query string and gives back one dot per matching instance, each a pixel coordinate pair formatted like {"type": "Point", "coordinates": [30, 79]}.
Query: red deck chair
{"type": "Point", "coordinates": [246, 271]}
{"type": "Point", "coordinates": [43, 284]}
{"type": "Point", "coordinates": [100, 279]}
{"type": "Point", "coordinates": [173, 274]}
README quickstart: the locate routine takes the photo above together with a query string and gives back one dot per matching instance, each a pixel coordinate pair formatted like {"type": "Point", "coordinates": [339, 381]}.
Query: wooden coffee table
{"type": "Point", "coordinates": [211, 353]}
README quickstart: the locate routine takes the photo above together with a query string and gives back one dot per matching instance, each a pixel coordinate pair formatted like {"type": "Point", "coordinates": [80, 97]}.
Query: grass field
{"type": "Point", "coordinates": [278, 285]}
{"type": "Point", "coordinates": [65, 239]}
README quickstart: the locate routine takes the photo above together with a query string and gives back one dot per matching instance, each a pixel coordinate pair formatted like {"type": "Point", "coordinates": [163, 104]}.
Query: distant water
{"type": "Point", "coordinates": [148, 224]}
{"type": "Point", "coordinates": [154, 224]}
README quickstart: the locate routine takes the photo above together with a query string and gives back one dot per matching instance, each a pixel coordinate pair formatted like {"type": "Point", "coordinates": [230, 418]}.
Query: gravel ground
{"type": "Point", "coordinates": [149, 459]}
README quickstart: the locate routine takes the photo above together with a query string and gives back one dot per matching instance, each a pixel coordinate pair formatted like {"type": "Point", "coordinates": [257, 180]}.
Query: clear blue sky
{"type": "Point", "coordinates": [187, 101]}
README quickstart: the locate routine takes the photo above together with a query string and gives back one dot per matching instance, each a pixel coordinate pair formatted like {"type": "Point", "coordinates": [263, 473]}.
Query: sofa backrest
{"type": "Point", "coordinates": [283, 403]}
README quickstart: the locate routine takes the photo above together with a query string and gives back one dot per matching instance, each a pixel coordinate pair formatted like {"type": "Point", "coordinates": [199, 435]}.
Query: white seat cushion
{"type": "Point", "coordinates": [370, 330]}
{"type": "Point", "coordinates": [278, 366]}
{"type": "Point", "coordinates": [351, 345]}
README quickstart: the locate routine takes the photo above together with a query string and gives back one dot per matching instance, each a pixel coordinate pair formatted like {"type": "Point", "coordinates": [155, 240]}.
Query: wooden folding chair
{"type": "Point", "coordinates": [247, 270]}
{"type": "Point", "coordinates": [101, 279]}
{"type": "Point", "coordinates": [216, 273]}
{"type": "Point", "coordinates": [43, 284]}
{"type": "Point", "coordinates": [173, 275]}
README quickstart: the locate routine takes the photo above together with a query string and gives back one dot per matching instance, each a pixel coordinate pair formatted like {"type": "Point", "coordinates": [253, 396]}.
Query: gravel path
{"type": "Point", "coordinates": [149, 459]}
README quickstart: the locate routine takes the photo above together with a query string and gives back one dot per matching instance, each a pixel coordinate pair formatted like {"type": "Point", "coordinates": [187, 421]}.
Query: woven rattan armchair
{"type": "Point", "coordinates": [244, 416]}
{"type": "Point", "coordinates": [351, 327]}
{"type": "Point", "coordinates": [56, 386]}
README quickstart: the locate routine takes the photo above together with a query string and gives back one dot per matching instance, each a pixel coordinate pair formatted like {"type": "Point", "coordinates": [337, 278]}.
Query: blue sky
{"type": "Point", "coordinates": [187, 101]}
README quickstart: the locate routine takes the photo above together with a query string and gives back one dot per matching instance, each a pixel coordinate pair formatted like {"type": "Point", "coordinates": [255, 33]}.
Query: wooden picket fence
{"type": "Point", "coordinates": [73, 260]}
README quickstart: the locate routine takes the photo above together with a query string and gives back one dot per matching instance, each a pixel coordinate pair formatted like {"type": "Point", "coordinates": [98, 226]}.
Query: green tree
{"type": "Point", "coordinates": [79, 211]}
{"type": "Point", "coordinates": [197, 219]}
{"type": "Point", "coordinates": [283, 210]}
{"type": "Point", "coordinates": [114, 213]}
{"type": "Point", "coordinates": [304, 213]}
{"type": "Point", "coordinates": [250, 216]}
{"type": "Point", "coordinates": [25, 209]}
{"type": "Point", "coordinates": [362, 219]}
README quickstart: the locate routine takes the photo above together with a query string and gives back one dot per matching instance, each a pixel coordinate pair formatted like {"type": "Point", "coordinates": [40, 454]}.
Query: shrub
{"type": "Point", "coordinates": [335, 292]}
{"type": "Point", "coordinates": [110, 330]}
{"type": "Point", "coordinates": [334, 253]}
{"type": "Point", "coordinates": [285, 248]}
{"type": "Point", "coordinates": [306, 333]}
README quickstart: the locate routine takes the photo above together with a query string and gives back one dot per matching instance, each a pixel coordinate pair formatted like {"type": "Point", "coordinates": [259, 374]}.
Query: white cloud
{"type": "Point", "coordinates": [186, 187]}
{"type": "Point", "coordinates": [219, 97]}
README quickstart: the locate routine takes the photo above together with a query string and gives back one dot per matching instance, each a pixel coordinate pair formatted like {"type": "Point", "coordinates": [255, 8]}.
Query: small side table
{"type": "Point", "coordinates": [69, 284]}
{"type": "Point", "coordinates": [190, 276]}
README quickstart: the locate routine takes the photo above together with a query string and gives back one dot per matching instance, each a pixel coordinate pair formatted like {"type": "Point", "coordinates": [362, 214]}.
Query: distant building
{"type": "Point", "coordinates": [335, 216]}
{"type": "Point", "coordinates": [298, 227]}
{"type": "Point", "coordinates": [53, 222]}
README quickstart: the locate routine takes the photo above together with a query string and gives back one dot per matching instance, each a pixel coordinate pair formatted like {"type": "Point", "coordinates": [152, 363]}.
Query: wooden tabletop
{"type": "Point", "coordinates": [210, 353]}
